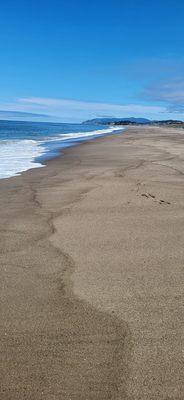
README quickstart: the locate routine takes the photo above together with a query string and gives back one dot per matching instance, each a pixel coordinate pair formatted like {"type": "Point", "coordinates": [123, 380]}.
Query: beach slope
{"type": "Point", "coordinates": [92, 252]}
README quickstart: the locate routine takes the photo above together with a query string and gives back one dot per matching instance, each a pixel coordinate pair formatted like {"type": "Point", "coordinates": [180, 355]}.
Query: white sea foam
{"type": "Point", "coordinates": [81, 135]}
{"type": "Point", "coordinates": [17, 156]}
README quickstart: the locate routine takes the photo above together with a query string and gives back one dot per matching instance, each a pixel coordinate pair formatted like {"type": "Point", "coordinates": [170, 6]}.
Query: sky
{"type": "Point", "coordinates": [71, 60]}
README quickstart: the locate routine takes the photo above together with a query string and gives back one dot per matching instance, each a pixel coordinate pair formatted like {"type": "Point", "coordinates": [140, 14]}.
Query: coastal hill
{"type": "Point", "coordinates": [134, 121]}
{"type": "Point", "coordinates": [111, 120]}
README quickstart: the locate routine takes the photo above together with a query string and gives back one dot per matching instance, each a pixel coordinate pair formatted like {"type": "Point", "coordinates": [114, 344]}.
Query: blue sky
{"type": "Point", "coordinates": [73, 60]}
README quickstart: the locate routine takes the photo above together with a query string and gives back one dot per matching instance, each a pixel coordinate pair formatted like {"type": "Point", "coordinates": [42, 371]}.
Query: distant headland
{"type": "Point", "coordinates": [134, 121]}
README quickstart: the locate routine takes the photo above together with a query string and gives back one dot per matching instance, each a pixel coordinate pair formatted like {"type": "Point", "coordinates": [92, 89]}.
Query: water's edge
{"type": "Point", "coordinates": [18, 155]}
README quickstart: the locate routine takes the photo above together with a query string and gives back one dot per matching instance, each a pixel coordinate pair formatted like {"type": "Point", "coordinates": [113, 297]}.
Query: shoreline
{"type": "Point", "coordinates": [64, 150]}
{"type": "Point", "coordinates": [61, 153]}
{"type": "Point", "coordinates": [92, 271]}
{"type": "Point", "coordinates": [39, 151]}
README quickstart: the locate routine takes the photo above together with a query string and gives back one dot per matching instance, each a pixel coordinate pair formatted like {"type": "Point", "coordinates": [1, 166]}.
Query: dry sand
{"type": "Point", "coordinates": [92, 260]}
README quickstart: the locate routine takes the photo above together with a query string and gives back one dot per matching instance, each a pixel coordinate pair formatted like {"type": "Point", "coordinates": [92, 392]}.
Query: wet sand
{"type": "Point", "coordinates": [92, 257]}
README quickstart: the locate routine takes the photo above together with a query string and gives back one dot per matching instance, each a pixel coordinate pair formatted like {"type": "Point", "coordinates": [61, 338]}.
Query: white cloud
{"type": "Point", "coordinates": [75, 110]}
{"type": "Point", "coordinates": [170, 92]}
{"type": "Point", "coordinates": [81, 109]}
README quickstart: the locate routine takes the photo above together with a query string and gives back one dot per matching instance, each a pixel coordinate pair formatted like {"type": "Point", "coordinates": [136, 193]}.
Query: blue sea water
{"type": "Point", "coordinates": [25, 145]}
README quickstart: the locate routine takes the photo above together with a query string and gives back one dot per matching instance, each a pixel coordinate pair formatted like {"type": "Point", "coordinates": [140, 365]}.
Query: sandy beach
{"type": "Point", "coordinates": [92, 256]}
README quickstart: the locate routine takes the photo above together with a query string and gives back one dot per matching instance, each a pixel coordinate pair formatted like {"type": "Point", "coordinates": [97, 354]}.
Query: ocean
{"type": "Point", "coordinates": [25, 145]}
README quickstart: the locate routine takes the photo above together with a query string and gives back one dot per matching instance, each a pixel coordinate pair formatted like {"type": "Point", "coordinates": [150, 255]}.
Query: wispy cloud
{"type": "Point", "coordinates": [80, 109]}
{"type": "Point", "coordinates": [75, 110]}
{"type": "Point", "coordinates": [171, 93]}
{"type": "Point", "coordinates": [143, 69]}
{"type": "Point", "coordinates": [20, 115]}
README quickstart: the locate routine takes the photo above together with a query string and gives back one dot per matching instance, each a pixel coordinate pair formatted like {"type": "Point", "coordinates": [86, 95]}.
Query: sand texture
{"type": "Point", "coordinates": [92, 272]}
